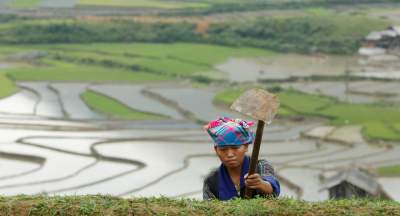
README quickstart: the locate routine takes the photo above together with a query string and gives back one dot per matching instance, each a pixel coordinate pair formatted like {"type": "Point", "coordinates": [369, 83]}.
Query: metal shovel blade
{"type": "Point", "coordinates": [258, 104]}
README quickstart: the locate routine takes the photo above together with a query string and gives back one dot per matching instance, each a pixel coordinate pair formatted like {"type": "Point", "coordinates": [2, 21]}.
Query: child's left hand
{"type": "Point", "coordinates": [255, 181]}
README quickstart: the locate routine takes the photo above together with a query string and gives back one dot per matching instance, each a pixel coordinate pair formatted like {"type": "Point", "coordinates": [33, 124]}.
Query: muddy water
{"type": "Point", "coordinates": [380, 74]}
{"type": "Point", "coordinates": [4, 65]}
{"type": "Point", "coordinates": [23, 102]}
{"type": "Point", "coordinates": [67, 144]}
{"type": "Point", "coordinates": [48, 104]}
{"type": "Point", "coordinates": [285, 66]}
{"type": "Point", "coordinates": [58, 3]}
{"type": "Point", "coordinates": [391, 186]}
{"type": "Point", "coordinates": [51, 168]}
{"type": "Point", "coordinates": [3, 2]}
{"type": "Point", "coordinates": [189, 181]}
{"type": "Point", "coordinates": [160, 161]}
{"type": "Point", "coordinates": [7, 167]}
{"type": "Point", "coordinates": [163, 166]}
{"type": "Point", "coordinates": [309, 181]}
{"type": "Point", "coordinates": [196, 101]}
{"type": "Point", "coordinates": [242, 70]}
{"type": "Point", "coordinates": [168, 164]}
{"type": "Point", "coordinates": [151, 158]}
{"type": "Point", "coordinates": [352, 92]}
{"type": "Point", "coordinates": [70, 97]}
{"type": "Point", "coordinates": [375, 87]}
{"type": "Point", "coordinates": [351, 156]}
{"type": "Point", "coordinates": [132, 96]}
{"type": "Point", "coordinates": [282, 67]}
{"type": "Point", "coordinates": [333, 89]}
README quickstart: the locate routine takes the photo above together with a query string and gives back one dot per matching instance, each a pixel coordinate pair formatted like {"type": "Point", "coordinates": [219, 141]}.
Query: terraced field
{"type": "Point", "coordinates": [141, 158]}
{"type": "Point", "coordinates": [377, 120]}
{"type": "Point", "coordinates": [134, 62]}
{"type": "Point", "coordinates": [7, 87]}
{"type": "Point", "coordinates": [126, 120]}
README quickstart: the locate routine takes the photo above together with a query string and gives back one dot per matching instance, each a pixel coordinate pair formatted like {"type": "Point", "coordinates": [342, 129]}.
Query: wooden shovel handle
{"type": "Point", "coordinates": [254, 155]}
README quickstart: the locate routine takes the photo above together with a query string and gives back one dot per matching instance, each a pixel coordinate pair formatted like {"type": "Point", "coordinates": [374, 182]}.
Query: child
{"type": "Point", "coordinates": [231, 139]}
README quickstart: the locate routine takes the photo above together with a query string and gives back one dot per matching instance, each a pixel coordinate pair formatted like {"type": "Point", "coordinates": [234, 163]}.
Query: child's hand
{"type": "Point", "coordinates": [255, 181]}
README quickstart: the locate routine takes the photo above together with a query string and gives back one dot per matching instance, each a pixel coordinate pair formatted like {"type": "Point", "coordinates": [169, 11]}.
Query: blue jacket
{"type": "Point", "coordinates": [219, 185]}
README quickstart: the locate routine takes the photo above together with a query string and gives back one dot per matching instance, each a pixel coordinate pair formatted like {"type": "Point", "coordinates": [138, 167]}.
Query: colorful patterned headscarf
{"type": "Point", "coordinates": [227, 131]}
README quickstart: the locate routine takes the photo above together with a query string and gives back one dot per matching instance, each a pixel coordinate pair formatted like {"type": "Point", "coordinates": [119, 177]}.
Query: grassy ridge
{"type": "Point", "coordinates": [107, 205]}
{"type": "Point", "coordinates": [389, 170]}
{"type": "Point", "coordinates": [114, 108]}
{"type": "Point", "coordinates": [378, 121]}
{"type": "Point", "coordinates": [7, 87]}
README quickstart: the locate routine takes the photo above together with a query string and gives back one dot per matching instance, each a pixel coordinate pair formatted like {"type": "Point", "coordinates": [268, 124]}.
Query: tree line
{"type": "Point", "coordinates": [297, 34]}
{"type": "Point", "coordinates": [237, 6]}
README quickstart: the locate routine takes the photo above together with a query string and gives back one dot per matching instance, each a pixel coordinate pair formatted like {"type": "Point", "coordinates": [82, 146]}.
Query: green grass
{"type": "Point", "coordinates": [6, 50]}
{"type": "Point", "coordinates": [100, 61]}
{"type": "Point", "coordinates": [7, 87]}
{"type": "Point", "coordinates": [24, 3]}
{"type": "Point", "coordinates": [303, 103]}
{"type": "Point", "coordinates": [62, 71]}
{"type": "Point", "coordinates": [108, 205]}
{"type": "Point", "coordinates": [379, 122]}
{"type": "Point", "coordinates": [189, 52]}
{"type": "Point", "coordinates": [167, 66]}
{"type": "Point", "coordinates": [389, 170]}
{"type": "Point", "coordinates": [380, 130]}
{"type": "Point", "coordinates": [397, 127]}
{"type": "Point", "coordinates": [376, 119]}
{"type": "Point", "coordinates": [114, 108]}
{"type": "Point", "coordinates": [228, 96]}
{"type": "Point", "coordinates": [143, 4]}
{"type": "Point", "coordinates": [37, 22]}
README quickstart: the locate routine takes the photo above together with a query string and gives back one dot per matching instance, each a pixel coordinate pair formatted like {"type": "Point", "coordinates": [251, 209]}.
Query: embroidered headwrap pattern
{"type": "Point", "coordinates": [227, 131]}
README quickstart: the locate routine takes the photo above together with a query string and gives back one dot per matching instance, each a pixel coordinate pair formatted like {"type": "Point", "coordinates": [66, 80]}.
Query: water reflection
{"type": "Point", "coordinates": [150, 158]}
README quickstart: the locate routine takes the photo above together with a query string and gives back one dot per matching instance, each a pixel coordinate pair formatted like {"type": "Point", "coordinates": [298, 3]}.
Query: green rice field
{"type": "Point", "coordinates": [62, 71]}
{"type": "Point", "coordinates": [115, 109]}
{"type": "Point", "coordinates": [107, 205]}
{"type": "Point", "coordinates": [143, 4]}
{"type": "Point", "coordinates": [23, 3]}
{"type": "Point", "coordinates": [389, 171]}
{"type": "Point", "coordinates": [189, 52]}
{"type": "Point", "coordinates": [121, 62]}
{"type": "Point", "coordinates": [379, 122]}
{"type": "Point", "coordinates": [7, 87]}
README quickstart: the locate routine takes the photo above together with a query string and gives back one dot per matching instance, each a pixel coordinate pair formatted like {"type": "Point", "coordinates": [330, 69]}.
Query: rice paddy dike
{"type": "Point", "coordinates": [106, 205]}
{"type": "Point", "coordinates": [125, 118]}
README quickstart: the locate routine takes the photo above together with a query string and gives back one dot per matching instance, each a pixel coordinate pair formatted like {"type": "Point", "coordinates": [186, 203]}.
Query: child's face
{"type": "Point", "coordinates": [232, 156]}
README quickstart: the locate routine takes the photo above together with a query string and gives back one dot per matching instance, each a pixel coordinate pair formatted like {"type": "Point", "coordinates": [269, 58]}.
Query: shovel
{"type": "Point", "coordinates": [262, 106]}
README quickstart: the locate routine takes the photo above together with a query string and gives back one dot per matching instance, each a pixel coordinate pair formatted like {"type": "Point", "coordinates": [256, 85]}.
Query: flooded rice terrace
{"type": "Point", "coordinates": [53, 143]}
